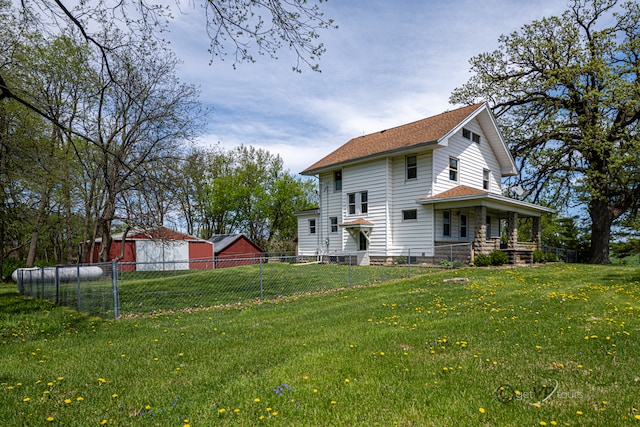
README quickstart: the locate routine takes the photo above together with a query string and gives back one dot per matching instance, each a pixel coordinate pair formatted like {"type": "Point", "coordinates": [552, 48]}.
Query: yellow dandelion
{"type": "Point", "coordinates": [257, 400]}
{"type": "Point", "coordinates": [578, 412]}
{"type": "Point", "coordinates": [481, 410]}
{"type": "Point", "coordinates": [67, 401]}
{"type": "Point", "coordinates": [102, 380]}
{"type": "Point", "coordinates": [333, 402]}
{"type": "Point", "coordinates": [222, 411]}
{"type": "Point", "coordinates": [237, 410]}
{"type": "Point", "coordinates": [346, 380]}
{"type": "Point", "coordinates": [147, 407]}
{"type": "Point", "coordinates": [114, 395]}
{"type": "Point", "coordinates": [79, 398]}
{"type": "Point", "coordinates": [269, 409]}
{"type": "Point", "coordinates": [315, 390]}
{"type": "Point", "coordinates": [103, 422]}
{"type": "Point", "coordinates": [50, 419]}
{"type": "Point", "coordinates": [261, 417]}
{"type": "Point", "coordinates": [26, 399]}
{"type": "Point", "coordinates": [543, 423]}
{"type": "Point", "coordinates": [637, 417]}
{"type": "Point", "coordinates": [275, 414]}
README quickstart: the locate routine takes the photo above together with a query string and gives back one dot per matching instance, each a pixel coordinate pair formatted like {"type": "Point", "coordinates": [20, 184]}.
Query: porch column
{"type": "Point", "coordinates": [480, 229]}
{"type": "Point", "coordinates": [537, 232]}
{"type": "Point", "coordinates": [512, 233]}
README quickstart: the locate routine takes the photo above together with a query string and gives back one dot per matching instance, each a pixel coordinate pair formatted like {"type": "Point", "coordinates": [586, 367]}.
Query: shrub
{"type": "Point", "coordinates": [550, 257]}
{"type": "Point", "coordinates": [445, 262]}
{"type": "Point", "coordinates": [498, 257]}
{"type": "Point", "coordinates": [401, 260]}
{"type": "Point", "coordinates": [538, 256]}
{"type": "Point", "coordinates": [10, 264]}
{"type": "Point", "coordinates": [482, 260]}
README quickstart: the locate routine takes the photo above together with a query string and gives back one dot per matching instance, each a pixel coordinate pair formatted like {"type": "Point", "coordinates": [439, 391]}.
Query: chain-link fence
{"type": "Point", "coordinates": [118, 289]}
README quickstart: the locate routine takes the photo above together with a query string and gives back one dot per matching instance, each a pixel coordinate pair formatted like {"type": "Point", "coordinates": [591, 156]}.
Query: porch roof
{"type": "Point", "coordinates": [357, 224]}
{"type": "Point", "coordinates": [464, 196]}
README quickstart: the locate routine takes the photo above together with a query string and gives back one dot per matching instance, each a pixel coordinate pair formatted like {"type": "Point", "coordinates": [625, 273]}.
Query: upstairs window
{"type": "Point", "coordinates": [358, 203]}
{"type": "Point", "coordinates": [412, 167]}
{"type": "Point", "coordinates": [352, 203]}
{"type": "Point", "coordinates": [486, 179]}
{"type": "Point", "coordinates": [364, 202]}
{"type": "Point", "coordinates": [312, 226]}
{"type": "Point", "coordinates": [466, 133]}
{"type": "Point", "coordinates": [334, 224]}
{"type": "Point", "coordinates": [337, 180]}
{"type": "Point", "coordinates": [453, 169]}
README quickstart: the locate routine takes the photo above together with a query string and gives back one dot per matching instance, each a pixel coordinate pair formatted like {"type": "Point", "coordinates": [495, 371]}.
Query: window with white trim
{"type": "Point", "coordinates": [358, 203]}
{"type": "Point", "coordinates": [446, 223]}
{"type": "Point", "coordinates": [486, 179]}
{"type": "Point", "coordinates": [351, 200]}
{"type": "Point", "coordinates": [454, 165]}
{"type": "Point", "coordinates": [466, 133]}
{"type": "Point", "coordinates": [412, 167]}
{"type": "Point", "coordinates": [337, 180]}
{"type": "Point", "coordinates": [312, 226]}
{"type": "Point", "coordinates": [463, 225]}
{"type": "Point", "coordinates": [410, 215]}
{"type": "Point", "coordinates": [334, 224]}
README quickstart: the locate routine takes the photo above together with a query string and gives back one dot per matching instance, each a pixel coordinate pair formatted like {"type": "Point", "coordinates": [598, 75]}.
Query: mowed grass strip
{"type": "Point", "coordinates": [553, 345]}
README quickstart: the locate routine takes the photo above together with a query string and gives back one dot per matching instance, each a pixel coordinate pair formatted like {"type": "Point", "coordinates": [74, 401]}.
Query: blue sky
{"type": "Point", "coordinates": [388, 63]}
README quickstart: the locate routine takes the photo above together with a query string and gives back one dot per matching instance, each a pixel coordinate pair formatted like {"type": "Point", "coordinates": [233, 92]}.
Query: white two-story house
{"type": "Point", "coordinates": [409, 189]}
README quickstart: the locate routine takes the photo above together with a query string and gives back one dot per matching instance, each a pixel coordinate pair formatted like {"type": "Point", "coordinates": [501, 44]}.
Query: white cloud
{"type": "Point", "coordinates": [389, 63]}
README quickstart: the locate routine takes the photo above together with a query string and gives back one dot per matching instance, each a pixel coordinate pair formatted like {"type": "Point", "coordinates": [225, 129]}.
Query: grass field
{"type": "Point", "coordinates": [553, 345]}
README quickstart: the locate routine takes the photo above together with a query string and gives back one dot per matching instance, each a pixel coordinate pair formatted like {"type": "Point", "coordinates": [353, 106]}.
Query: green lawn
{"type": "Point", "coordinates": [553, 345]}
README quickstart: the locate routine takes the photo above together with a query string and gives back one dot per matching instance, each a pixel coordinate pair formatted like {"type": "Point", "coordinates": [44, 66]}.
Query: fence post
{"type": "Point", "coordinates": [57, 285]}
{"type": "Point", "coordinates": [350, 277]}
{"type": "Point", "coordinates": [42, 295]}
{"type": "Point", "coordinates": [78, 276]}
{"type": "Point", "coordinates": [409, 264]}
{"type": "Point", "coordinates": [261, 278]}
{"type": "Point", "coordinates": [114, 281]}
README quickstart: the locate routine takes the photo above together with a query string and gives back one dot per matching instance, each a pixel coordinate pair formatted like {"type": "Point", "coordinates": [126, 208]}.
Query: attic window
{"type": "Point", "coordinates": [466, 133]}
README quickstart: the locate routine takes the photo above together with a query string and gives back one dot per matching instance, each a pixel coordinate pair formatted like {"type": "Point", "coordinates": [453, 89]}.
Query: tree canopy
{"type": "Point", "coordinates": [566, 92]}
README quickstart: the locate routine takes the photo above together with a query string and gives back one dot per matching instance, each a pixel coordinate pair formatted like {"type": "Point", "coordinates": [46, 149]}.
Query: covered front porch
{"type": "Point", "coordinates": [488, 221]}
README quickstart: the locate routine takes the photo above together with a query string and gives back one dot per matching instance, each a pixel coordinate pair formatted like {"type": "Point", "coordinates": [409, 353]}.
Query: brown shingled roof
{"type": "Point", "coordinates": [423, 131]}
{"type": "Point", "coordinates": [459, 191]}
{"type": "Point", "coordinates": [359, 221]}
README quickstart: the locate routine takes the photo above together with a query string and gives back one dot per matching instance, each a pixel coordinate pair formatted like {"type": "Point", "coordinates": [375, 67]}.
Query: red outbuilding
{"type": "Point", "coordinates": [232, 250]}
{"type": "Point", "coordinates": [159, 249]}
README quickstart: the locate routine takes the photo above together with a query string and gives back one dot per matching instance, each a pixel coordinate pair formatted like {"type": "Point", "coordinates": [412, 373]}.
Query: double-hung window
{"type": "Point", "coordinates": [486, 179]}
{"type": "Point", "coordinates": [334, 224]}
{"type": "Point", "coordinates": [446, 223]}
{"type": "Point", "coordinates": [337, 180]}
{"type": "Point", "coordinates": [364, 202]}
{"type": "Point", "coordinates": [454, 165]}
{"type": "Point", "coordinates": [412, 167]}
{"type": "Point", "coordinates": [352, 203]}
{"type": "Point", "coordinates": [358, 203]}
{"type": "Point", "coordinates": [312, 226]}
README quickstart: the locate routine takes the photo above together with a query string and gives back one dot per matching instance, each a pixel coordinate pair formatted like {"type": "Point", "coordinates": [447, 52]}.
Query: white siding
{"type": "Point", "coordinates": [154, 255]}
{"type": "Point", "coordinates": [418, 233]}
{"type": "Point", "coordinates": [373, 178]}
{"type": "Point", "coordinates": [330, 206]}
{"type": "Point", "coordinates": [308, 244]}
{"type": "Point", "coordinates": [473, 159]}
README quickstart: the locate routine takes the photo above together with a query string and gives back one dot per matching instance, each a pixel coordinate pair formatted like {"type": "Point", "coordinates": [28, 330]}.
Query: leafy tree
{"type": "Point", "coordinates": [251, 193]}
{"type": "Point", "coordinates": [566, 92]}
{"type": "Point", "coordinates": [239, 29]}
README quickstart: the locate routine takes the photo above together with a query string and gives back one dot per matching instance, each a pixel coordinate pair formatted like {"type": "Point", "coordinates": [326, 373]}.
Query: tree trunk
{"type": "Point", "coordinates": [601, 221]}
